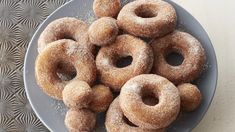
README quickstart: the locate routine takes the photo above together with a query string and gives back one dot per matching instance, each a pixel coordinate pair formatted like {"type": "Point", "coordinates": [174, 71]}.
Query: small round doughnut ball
{"type": "Point", "coordinates": [190, 96]}
{"type": "Point", "coordinates": [109, 8]}
{"type": "Point", "coordinates": [77, 94]}
{"type": "Point", "coordinates": [102, 98]}
{"type": "Point", "coordinates": [80, 120]}
{"type": "Point", "coordinates": [103, 31]}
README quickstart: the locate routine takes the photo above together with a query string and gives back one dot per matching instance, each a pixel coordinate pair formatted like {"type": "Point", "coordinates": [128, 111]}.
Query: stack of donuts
{"type": "Point", "coordinates": [121, 55]}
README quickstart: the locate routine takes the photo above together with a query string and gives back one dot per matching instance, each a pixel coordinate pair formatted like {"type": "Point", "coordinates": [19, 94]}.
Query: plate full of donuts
{"type": "Point", "coordinates": [120, 66]}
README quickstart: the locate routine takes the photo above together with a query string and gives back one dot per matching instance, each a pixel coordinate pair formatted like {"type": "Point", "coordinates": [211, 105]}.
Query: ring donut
{"type": "Point", "coordinates": [147, 18]}
{"type": "Point", "coordinates": [150, 117]}
{"type": "Point", "coordinates": [124, 46]}
{"type": "Point", "coordinates": [115, 121]}
{"type": "Point", "coordinates": [63, 51]}
{"type": "Point", "coordinates": [184, 44]}
{"type": "Point", "coordinates": [64, 28]}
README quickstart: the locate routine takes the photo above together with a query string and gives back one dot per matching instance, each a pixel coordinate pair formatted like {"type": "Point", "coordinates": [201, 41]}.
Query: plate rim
{"type": "Point", "coordinates": [25, 62]}
{"type": "Point", "coordinates": [69, 2]}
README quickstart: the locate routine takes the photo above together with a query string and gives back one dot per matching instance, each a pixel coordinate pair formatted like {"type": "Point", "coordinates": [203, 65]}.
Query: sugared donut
{"type": "Point", "coordinates": [103, 31]}
{"type": "Point", "coordinates": [147, 18]}
{"type": "Point", "coordinates": [190, 96]}
{"type": "Point", "coordinates": [64, 28]}
{"type": "Point", "coordinates": [117, 122]}
{"type": "Point", "coordinates": [101, 99]}
{"type": "Point", "coordinates": [124, 46]}
{"type": "Point", "coordinates": [77, 94]}
{"type": "Point", "coordinates": [82, 120]}
{"type": "Point", "coordinates": [63, 51]}
{"type": "Point", "coordinates": [106, 8]}
{"type": "Point", "coordinates": [150, 117]}
{"type": "Point", "coordinates": [184, 44]}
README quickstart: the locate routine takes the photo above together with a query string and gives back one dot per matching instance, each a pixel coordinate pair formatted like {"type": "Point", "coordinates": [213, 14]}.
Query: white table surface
{"type": "Point", "coordinates": [218, 18]}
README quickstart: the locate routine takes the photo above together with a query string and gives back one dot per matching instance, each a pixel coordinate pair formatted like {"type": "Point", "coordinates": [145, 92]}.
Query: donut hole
{"type": "Point", "coordinates": [96, 50]}
{"type": "Point", "coordinates": [146, 11]}
{"type": "Point", "coordinates": [128, 122]}
{"type": "Point", "coordinates": [174, 58]}
{"type": "Point", "coordinates": [66, 36]}
{"type": "Point", "coordinates": [124, 61]}
{"type": "Point", "coordinates": [65, 71]}
{"type": "Point", "coordinates": [149, 98]}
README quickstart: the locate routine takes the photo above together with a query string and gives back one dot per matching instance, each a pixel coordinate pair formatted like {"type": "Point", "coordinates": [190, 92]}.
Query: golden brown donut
{"type": "Point", "coordinates": [77, 94]}
{"type": "Point", "coordinates": [106, 8]}
{"type": "Point", "coordinates": [124, 45]}
{"type": "Point", "coordinates": [60, 51]}
{"type": "Point", "coordinates": [64, 28]}
{"type": "Point", "coordinates": [186, 45]}
{"type": "Point", "coordinates": [101, 99]}
{"type": "Point", "coordinates": [82, 120]}
{"type": "Point", "coordinates": [158, 116]}
{"type": "Point", "coordinates": [147, 18]}
{"type": "Point", "coordinates": [116, 122]}
{"type": "Point", "coordinates": [190, 96]}
{"type": "Point", "coordinates": [103, 31]}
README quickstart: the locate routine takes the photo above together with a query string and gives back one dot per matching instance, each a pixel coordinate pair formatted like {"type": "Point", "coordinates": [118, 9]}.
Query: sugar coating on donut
{"type": "Point", "coordinates": [158, 116]}
{"type": "Point", "coordinates": [101, 99]}
{"type": "Point", "coordinates": [124, 45]}
{"type": "Point", "coordinates": [190, 96]}
{"type": "Point", "coordinates": [147, 18]}
{"type": "Point", "coordinates": [182, 43]}
{"type": "Point", "coordinates": [106, 8]}
{"type": "Point", "coordinates": [105, 61]}
{"type": "Point", "coordinates": [116, 121]}
{"type": "Point", "coordinates": [103, 31]}
{"type": "Point", "coordinates": [71, 49]}
{"type": "Point", "coordinates": [134, 87]}
{"type": "Point", "coordinates": [77, 94]}
{"type": "Point", "coordinates": [47, 62]}
{"type": "Point", "coordinates": [65, 28]}
{"type": "Point", "coordinates": [82, 120]}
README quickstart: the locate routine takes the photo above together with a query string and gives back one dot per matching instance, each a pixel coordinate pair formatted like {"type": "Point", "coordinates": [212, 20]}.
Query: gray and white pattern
{"type": "Point", "coordinates": [19, 20]}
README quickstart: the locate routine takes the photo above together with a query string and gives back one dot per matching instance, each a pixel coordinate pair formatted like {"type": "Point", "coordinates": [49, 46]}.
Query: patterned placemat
{"type": "Point", "coordinates": [18, 21]}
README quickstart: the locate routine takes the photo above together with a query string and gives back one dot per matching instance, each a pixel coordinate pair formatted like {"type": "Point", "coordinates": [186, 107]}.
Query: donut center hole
{"type": "Point", "coordinates": [66, 36]}
{"type": "Point", "coordinates": [66, 71]}
{"type": "Point", "coordinates": [128, 122]}
{"type": "Point", "coordinates": [149, 98]}
{"type": "Point", "coordinates": [96, 50]}
{"type": "Point", "coordinates": [124, 61]}
{"type": "Point", "coordinates": [174, 58]}
{"type": "Point", "coordinates": [146, 11]}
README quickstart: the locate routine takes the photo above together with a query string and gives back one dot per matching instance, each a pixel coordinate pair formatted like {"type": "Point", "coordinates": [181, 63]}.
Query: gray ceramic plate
{"type": "Point", "coordinates": [51, 112]}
